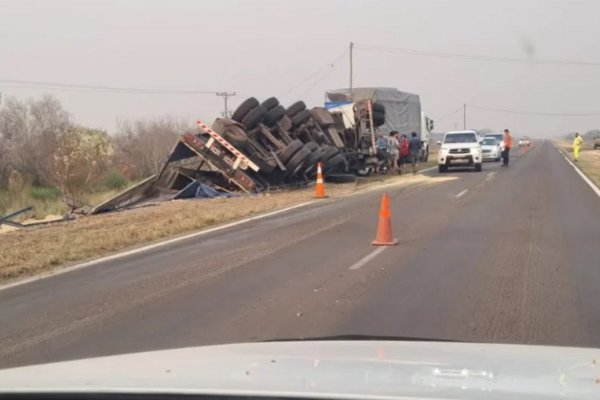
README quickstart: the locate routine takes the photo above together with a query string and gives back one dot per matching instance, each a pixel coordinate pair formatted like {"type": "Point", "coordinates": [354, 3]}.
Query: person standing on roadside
{"type": "Point", "coordinates": [382, 152]}
{"type": "Point", "coordinates": [404, 152]}
{"type": "Point", "coordinates": [507, 146]}
{"type": "Point", "coordinates": [414, 146]}
{"type": "Point", "coordinates": [393, 148]}
{"type": "Point", "coordinates": [577, 142]}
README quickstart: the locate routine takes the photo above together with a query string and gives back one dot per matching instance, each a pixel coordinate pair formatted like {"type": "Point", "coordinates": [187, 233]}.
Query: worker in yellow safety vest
{"type": "Point", "coordinates": [577, 142]}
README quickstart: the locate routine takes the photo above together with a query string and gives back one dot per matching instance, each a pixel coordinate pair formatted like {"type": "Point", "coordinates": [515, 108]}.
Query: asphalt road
{"type": "Point", "coordinates": [507, 255]}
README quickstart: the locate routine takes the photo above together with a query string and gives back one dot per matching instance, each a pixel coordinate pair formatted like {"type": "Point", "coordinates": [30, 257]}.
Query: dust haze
{"type": "Point", "coordinates": [297, 50]}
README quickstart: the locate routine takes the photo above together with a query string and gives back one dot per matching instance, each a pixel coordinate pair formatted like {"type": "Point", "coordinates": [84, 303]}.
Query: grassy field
{"type": "Point", "coordinates": [589, 160]}
{"type": "Point", "coordinates": [44, 248]}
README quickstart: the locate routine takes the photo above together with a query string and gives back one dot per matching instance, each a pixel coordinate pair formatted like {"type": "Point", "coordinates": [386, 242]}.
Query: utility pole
{"type": "Point", "coordinates": [351, 65]}
{"type": "Point", "coordinates": [464, 116]}
{"type": "Point", "coordinates": [225, 96]}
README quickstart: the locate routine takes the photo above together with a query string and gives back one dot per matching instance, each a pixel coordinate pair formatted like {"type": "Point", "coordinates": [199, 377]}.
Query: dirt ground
{"type": "Point", "coordinates": [41, 249]}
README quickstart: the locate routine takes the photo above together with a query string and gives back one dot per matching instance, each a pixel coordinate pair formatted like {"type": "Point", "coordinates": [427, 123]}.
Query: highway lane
{"type": "Point", "coordinates": [506, 255]}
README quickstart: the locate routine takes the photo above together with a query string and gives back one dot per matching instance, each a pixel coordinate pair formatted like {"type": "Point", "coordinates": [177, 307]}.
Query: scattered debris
{"type": "Point", "coordinates": [7, 224]}
{"type": "Point", "coordinates": [6, 219]}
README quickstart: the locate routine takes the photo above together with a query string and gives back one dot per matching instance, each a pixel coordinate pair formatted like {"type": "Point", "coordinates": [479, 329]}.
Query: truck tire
{"type": "Point", "coordinates": [270, 103]}
{"type": "Point", "coordinates": [478, 167]}
{"type": "Point", "coordinates": [378, 108]}
{"type": "Point", "coordinates": [244, 108]}
{"type": "Point", "coordinates": [254, 117]}
{"type": "Point", "coordinates": [311, 162]}
{"type": "Point", "coordinates": [312, 146]}
{"type": "Point", "coordinates": [295, 164]}
{"type": "Point", "coordinates": [329, 152]}
{"type": "Point", "coordinates": [274, 115]}
{"type": "Point", "coordinates": [322, 116]}
{"type": "Point", "coordinates": [300, 118]}
{"type": "Point", "coordinates": [266, 165]}
{"type": "Point", "coordinates": [442, 169]}
{"type": "Point", "coordinates": [236, 136]}
{"type": "Point", "coordinates": [337, 163]}
{"type": "Point", "coordinates": [295, 108]}
{"type": "Point", "coordinates": [289, 151]}
{"type": "Point", "coordinates": [378, 118]}
{"type": "Point", "coordinates": [340, 178]}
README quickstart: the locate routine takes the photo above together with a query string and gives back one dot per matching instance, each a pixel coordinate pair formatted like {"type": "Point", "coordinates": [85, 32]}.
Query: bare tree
{"type": "Point", "coordinates": [47, 122]}
{"type": "Point", "coordinates": [15, 141]}
{"type": "Point", "coordinates": [144, 145]}
{"type": "Point", "coordinates": [28, 136]}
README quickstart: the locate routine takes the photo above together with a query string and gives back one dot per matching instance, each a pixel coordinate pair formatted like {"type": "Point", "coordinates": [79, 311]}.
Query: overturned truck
{"type": "Point", "coordinates": [266, 146]}
{"type": "Point", "coordinates": [261, 147]}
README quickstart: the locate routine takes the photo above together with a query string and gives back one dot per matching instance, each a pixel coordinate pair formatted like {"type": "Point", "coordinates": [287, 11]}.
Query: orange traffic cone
{"type": "Point", "coordinates": [384, 229]}
{"type": "Point", "coordinates": [320, 188]}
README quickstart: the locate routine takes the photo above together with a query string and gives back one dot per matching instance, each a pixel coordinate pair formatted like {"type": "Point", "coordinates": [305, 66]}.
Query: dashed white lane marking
{"type": "Point", "coordinates": [490, 176]}
{"type": "Point", "coordinates": [363, 261]}
{"type": "Point", "coordinates": [461, 194]}
{"type": "Point", "coordinates": [427, 169]}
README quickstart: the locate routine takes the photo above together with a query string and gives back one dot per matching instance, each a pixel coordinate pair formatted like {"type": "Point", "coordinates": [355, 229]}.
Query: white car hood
{"type": "Point", "coordinates": [329, 369]}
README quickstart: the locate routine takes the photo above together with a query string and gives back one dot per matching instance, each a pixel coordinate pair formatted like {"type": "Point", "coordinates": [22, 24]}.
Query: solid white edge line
{"type": "Point", "coordinates": [363, 261]}
{"type": "Point", "coordinates": [148, 247]}
{"type": "Point", "coordinates": [581, 174]}
{"type": "Point", "coordinates": [461, 194]}
{"type": "Point", "coordinates": [142, 249]}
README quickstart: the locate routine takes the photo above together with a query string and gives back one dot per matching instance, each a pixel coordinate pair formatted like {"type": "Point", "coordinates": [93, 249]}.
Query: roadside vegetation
{"type": "Point", "coordinates": [589, 159]}
{"type": "Point", "coordinates": [50, 162]}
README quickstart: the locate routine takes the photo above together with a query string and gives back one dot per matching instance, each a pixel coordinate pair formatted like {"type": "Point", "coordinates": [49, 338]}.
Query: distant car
{"type": "Point", "coordinates": [499, 138]}
{"type": "Point", "coordinates": [460, 149]}
{"type": "Point", "coordinates": [490, 149]}
{"type": "Point", "coordinates": [522, 142]}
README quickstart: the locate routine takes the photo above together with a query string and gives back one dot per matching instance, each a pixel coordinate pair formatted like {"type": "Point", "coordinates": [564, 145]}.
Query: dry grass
{"type": "Point", "coordinates": [31, 251]}
{"type": "Point", "coordinates": [41, 249]}
{"type": "Point", "coordinates": [589, 160]}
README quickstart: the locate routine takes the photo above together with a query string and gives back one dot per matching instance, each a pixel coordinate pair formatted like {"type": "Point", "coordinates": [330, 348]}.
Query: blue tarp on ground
{"type": "Point", "coordinates": [199, 190]}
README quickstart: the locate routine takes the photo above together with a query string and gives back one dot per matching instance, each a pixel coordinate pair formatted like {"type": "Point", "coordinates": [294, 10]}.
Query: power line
{"type": "Point", "coordinates": [545, 114]}
{"type": "Point", "coordinates": [318, 80]}
{"type": "Point", "coordinates": [324, 69]}
{"type": "Point", "coordinates": [472, 57]}
{"type": "Point", "coordinates": [95, 88]}
{"type": "Point", "coordinates": [450, 113]}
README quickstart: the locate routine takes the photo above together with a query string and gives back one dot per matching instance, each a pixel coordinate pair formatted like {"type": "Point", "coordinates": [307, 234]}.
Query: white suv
{"type": "Point", "coordinates": [459, 149]}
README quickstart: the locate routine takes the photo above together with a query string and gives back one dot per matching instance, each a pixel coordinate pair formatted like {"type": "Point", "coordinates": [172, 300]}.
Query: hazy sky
{"type": "Point", "coordinates": [264, 48]}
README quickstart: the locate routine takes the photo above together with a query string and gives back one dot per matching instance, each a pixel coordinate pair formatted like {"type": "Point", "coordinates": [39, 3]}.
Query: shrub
{"type": "Point", "coordinates": [42, 193]}
{"type": "Point", "coordinates": [115, 180]}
